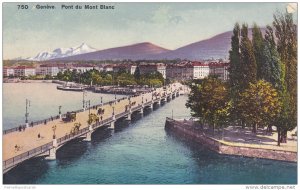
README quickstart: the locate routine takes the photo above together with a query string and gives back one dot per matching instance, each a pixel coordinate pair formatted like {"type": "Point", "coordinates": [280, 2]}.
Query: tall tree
{"type": "Point", "coordinates": [209, 101]}
{"type": "Point", "coordinates": [272, 67]}
{"type": "Point", "coordinates": [286, 34]}
{"type": "Point", "coordinates": [234, 57]}
{"type": "Point", "coordinates": [248, 63]}
{"type": "Point", "coordinates": [235, 76]}
{"type": "Point", "coordinates": [258, 46]}
{"type": "Point", "coordinates": [259, 104]}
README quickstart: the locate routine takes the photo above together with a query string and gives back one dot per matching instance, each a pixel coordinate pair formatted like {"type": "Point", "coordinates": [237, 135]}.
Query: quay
{"type": "Point", "coordinates": [45, 137]}
{"type": "Point", "coordinates": [235, 141]}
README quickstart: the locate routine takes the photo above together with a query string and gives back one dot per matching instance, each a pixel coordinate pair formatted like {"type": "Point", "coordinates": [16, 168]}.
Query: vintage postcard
{"type": "Point", "coordinates": [150, 93]}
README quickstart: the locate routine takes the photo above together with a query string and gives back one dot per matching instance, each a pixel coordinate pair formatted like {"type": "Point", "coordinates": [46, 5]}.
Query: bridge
{"type": "Point", "coordinates": [45, 137]}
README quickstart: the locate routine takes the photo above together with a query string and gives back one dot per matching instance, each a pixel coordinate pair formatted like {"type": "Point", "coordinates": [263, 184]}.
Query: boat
{"type": "Point", "coordinates": [70, 88]}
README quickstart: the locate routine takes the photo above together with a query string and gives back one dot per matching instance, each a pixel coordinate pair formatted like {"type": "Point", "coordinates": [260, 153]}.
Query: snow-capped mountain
{"type": "Point", "coordinates": [62, 52]}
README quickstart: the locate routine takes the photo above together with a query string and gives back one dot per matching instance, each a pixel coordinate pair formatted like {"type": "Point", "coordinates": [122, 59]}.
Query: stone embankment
{"type": "Point", "coordinates": [187, 130]}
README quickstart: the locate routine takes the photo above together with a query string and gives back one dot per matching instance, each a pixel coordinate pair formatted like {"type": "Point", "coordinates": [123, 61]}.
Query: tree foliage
{"type": "Point", "coordinates": [259, 104]}
{"type": "Point", "coordinates": [209, 100]}
{"type": "Point", "coordinates": [286, 34]}
{"type": "Point", "coordinates": [258, 47]}
{"type": "Point", "coordinates": [248, 62]}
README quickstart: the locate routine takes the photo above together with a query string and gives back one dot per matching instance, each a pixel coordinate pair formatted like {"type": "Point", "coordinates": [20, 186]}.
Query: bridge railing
{"type": "Point", "coordinates": [26, 155]}
{"type": "Point", "coordinates": [31, 124]}
{"type": "Point", "coordinates": [122, 114]}
{"type": "Point", "coordinates": [95, 125]}
{"type": "Point", "coordinates": [72, 135]}
{"type": "Point", "coordinates": [136, 108]}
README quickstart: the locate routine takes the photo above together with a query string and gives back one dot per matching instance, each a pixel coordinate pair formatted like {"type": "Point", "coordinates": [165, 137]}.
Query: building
{"type": "Point", "coordinates": [8, 71]}
{"type": "Point", "coordinates": [179, 72]}
{"type": "Point", "coordinates": [48, 69]}
{"type": "Point", "coordinates": [146, 68]}
{"type": "Point", "coordinates": [24, 71]}
{"type": "Point", "coordinates": [200, 70]}
{"type": "Point", "coordinates": [108, 68]}
{"type": "Point", "coordinates": [220, 69]}
{"type": "Point", "coordinates": [130, 68]}
{"type": "Point", "coordinates": [82, 67]}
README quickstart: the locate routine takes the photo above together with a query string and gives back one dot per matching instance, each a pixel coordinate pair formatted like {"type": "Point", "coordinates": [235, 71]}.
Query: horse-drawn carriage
{"type": "Point", "coordinates": [70, 117]}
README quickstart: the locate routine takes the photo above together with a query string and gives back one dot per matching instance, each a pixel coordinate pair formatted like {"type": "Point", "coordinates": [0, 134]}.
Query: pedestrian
{"type": "Point", "coordinates": [20, 128]}
{"type": "Point", "coordinates": [39, 135]}
{"type": "Point", "coordinates": [101, 117]}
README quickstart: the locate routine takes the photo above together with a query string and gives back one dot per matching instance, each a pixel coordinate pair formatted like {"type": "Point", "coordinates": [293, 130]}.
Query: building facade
{"type": "Point", "coordinates": [219, 69]}
{"type": "Point", "coordinates": [200, 70]}
{"type": "Point", "coordinates": [26, 71]}
{"type": "Point", "coordinates": [8, 71]}
{"type": "Point", "coordinates": [130, 68]}
{"type": "Point", "coordinates": [47, 69]}
{"type": "Point", "coordinates": [179, 72]}
{"type": "Point", "coordinates": [146, 68]}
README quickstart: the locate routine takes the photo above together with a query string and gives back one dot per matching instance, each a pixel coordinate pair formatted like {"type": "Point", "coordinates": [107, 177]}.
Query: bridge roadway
{"type": "Point", "coordinates": [31, 146]}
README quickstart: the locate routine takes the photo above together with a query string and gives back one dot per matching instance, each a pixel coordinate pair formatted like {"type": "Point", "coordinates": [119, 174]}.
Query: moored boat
{"type": "Point", "coordinates": [70, 88]}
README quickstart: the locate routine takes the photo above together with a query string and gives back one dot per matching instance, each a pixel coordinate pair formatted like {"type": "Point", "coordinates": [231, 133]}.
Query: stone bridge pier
{"type": "Point", "coordinates": [52, 151]}
{"type": "Point", "coordinates": [89, 134]}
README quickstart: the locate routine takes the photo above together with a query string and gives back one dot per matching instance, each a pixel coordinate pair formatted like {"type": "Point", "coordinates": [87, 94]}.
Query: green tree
{"type": "Point", "coordinates": [258, 47]}
{"type": "Point", "coordinates": [235, 76]}
{"type": "Point", "coordinates": [209, 102]}
{"type": "Point", "coordinates": [248, 63]}
{"type": "Point", "coordinates": [137, 73]}
{"type": "Point", "coordinates": [259, 104]}
{"type": "Point", "coordinates": [60, 75]}
{"type": "Point", "coordinates": [286, 35]}
{"type": "Point", "coordinates": [272, 69]}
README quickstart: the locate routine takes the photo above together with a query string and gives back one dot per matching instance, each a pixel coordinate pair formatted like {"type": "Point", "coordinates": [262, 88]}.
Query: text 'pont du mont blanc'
{"type": "Point", "coordinates": [72, 7]}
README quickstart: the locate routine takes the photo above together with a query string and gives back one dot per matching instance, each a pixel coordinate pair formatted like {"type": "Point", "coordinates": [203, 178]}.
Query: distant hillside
{"type": "Point", "coordinates": [144, 50]}
{"type": "Point", "coordinates": [215, 47]}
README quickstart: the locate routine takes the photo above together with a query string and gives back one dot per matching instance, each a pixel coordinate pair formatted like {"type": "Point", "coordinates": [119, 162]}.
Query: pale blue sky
{"type": "Point", "coordinates": [170, 25]}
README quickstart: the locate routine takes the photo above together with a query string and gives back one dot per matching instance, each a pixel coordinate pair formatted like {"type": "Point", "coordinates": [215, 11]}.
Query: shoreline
{"type": "Point", "coordinates": [26, 81]}
{"type": "Point", "coordinates": [185, 130]}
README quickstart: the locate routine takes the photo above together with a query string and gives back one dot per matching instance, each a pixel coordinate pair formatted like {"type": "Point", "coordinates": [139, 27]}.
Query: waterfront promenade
{"type": "Point", "coordinates": [38, 140]}
{"type": "Point", "coordinates": [235, 140]}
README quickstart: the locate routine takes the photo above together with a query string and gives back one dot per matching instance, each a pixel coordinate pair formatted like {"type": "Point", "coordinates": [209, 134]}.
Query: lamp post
{"type": "Point", "coordinates": [54, 129]}
{"type": "Point", "coordinates": [129, 103]}
{"type": "Point", "coordinates": [59, 111]}
{"type": "Point", "coordinates": [88, 104]}
{"type": "Point", "coordinates": [27, 113]}
{"type": "Point", "coordinates": [83, 100]}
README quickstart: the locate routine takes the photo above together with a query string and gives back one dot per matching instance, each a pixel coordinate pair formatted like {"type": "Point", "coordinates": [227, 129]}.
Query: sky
{"type": "Point", "coordinates": [170, 25]}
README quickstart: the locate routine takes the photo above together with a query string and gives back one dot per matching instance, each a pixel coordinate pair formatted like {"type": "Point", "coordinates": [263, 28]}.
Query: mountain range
{"type": "Point", "coordinates": [62, 52]}
{"type": "Point", "coordinates": [215, 47]}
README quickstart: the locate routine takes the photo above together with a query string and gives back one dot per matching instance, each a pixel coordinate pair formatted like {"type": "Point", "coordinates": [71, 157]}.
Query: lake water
{"type": "Point", "coordinates": [138, 153]}
{"type": "Point", "coordinates": [44, 101]}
